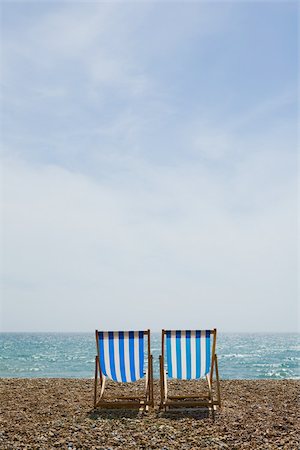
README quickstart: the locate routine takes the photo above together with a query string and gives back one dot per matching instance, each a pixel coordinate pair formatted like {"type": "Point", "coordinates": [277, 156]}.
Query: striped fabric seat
{"type": "Point", "coordinates": [188, 354]}
{"type": "Point", "coordinates": [121, 354]}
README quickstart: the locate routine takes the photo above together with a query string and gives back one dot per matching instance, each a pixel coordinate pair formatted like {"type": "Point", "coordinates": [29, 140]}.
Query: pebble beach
{"type": "Point", "coordinates": [58, 414]}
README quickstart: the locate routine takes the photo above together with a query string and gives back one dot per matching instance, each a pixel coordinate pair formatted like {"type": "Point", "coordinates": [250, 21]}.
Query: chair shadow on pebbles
{"type": "Point", "coordinates": [178, 414]}
{"type": "Point", "coordinates": [113, 414]}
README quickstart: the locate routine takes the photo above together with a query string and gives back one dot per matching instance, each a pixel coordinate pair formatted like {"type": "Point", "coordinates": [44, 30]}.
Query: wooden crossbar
{"type": "Point", "coordinates": [189, 403]}
{"type": "Point", "coordinates": [119, 404]}
{"type": "Point", "coordinates": [172, 397]}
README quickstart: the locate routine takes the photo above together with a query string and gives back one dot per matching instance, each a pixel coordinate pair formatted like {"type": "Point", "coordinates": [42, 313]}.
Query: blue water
{"type": "Point", "coordinates": [72, 355]}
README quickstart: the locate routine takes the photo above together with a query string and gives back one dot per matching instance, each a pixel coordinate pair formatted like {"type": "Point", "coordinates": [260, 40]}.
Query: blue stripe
{"type": "Point", "coordinates": [121, 356]}
{"type": "Point", "coordinates": [169, 358]}
{"type": "Point", "coordinates": [131, 355]}
{"type": "Point", "coordinates": [207, 351]}
{"type": "Point", "coordinates": [198, 354]}
{"type": "Point", "coordinates": [178, 354]}
{"type": "Point", "coordinates": [188, 355]}
{"type": "Point", "coordinates": [112, 355]}
{"type": "Point", "coordinates": [141, 352]}
{"type": "Point", "coordinates": [101, 353]}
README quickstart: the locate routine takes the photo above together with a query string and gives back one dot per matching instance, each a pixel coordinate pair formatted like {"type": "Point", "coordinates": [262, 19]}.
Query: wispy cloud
{"type": "Point", "coordinates": [158, 234]}
{"type": "Point", "coordinates": [133, 181]}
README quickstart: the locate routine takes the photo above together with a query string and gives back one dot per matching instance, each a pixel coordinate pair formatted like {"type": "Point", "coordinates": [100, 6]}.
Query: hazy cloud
{"type": "Point", "coordinates": [143, 186]}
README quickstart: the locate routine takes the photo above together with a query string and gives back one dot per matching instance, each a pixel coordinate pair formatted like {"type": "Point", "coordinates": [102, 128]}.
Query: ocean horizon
{"type": "Point", "coordinates": [72, 355]}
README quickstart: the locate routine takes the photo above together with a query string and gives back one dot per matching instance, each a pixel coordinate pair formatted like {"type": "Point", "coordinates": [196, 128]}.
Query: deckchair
{"type": "Point", "coordinates": [120, 357]}
{"type": "Point", "coordinates": [189, 355]}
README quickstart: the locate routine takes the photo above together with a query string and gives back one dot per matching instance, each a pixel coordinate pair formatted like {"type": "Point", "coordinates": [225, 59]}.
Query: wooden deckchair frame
{"type": "Point", "coordinates": [140, 402]}
{"type": "Point", "coordinates": [189, 401]}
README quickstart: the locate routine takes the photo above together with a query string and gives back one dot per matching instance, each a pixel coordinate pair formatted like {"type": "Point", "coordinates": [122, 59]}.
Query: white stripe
{"type": "Point", "coordinates": [203, 352]}
{"type": "Point", "coordinates": [173, 354]}
{"type": "Point", "coordinates": [117, 355]}
{"type": "Point", "coordinates": [183, 355]}
{"type": "Point", "coordinates": [106, 353]}
{"type": "Point", "coordinates": [136, 355]}
{"type": "Point", "coordinates": [126, 356]}
{"type": "Point", "coordinates": [193, 354]}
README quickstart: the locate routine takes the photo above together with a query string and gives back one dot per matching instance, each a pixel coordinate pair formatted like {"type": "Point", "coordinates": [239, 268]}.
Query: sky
{"type": "Point", "coordinates": [149, 165]}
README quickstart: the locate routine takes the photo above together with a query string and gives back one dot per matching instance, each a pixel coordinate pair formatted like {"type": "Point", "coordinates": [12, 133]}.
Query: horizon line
{"type": "Point", "coordinates": [153, 331]}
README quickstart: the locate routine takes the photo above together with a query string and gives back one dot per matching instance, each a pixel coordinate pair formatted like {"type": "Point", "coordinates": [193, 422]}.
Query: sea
{"type": "Point", "coordinates": [72, 355]}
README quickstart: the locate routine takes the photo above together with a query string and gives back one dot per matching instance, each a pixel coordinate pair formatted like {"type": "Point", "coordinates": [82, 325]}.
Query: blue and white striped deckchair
{"type": "Point", "coordinates": [190, 354]}
{"type": "Point", "coordinates": [121, 357]}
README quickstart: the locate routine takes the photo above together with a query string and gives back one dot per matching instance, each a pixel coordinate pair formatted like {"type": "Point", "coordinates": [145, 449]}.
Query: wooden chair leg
{"type": "Point", "coordinates": [211, 396]}
{"type": "Point", "coordinates": [102, 382]}
{"type": "Point", "coordinates": [165, 386]}
{"type": "Point", "coordinates": [218, 381]}
{"type": "Point", "coordinates": [161, 382]}
{"type": "Point", "coordinates": [96, 381]}
{"type": "Point", "coordinates": [147, 383]}
{"type": "Point", "coordinates": [151, 385]}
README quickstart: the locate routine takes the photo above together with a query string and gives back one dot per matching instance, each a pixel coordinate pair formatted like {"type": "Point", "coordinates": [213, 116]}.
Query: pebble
{"type": "Point", "coordinates": [260, 414]}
